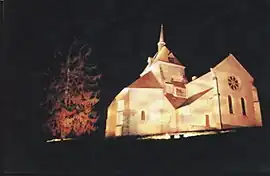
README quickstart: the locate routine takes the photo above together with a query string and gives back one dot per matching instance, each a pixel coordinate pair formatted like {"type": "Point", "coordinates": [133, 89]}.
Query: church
{"type": "Point", "coordinates": [163, 101]}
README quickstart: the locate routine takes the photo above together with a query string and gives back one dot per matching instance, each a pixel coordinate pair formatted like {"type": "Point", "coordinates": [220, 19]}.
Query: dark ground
{"type": "Point", "coordinates": [245, 151]}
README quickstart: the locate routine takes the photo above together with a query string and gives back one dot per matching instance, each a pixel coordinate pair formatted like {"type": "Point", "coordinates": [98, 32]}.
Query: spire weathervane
{"type": "Point", "coordinates": [161, 42]}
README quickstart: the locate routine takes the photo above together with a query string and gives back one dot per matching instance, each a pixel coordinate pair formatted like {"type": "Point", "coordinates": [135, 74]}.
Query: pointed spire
{"type": "Point", "coordinates": [161, 37]}
{"type": "Point", "coordinates": [161, 42]}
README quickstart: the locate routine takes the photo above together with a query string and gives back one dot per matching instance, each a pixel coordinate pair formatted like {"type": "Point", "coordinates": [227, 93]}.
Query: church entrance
{"type": "Point", "coordinates": [207, 121]}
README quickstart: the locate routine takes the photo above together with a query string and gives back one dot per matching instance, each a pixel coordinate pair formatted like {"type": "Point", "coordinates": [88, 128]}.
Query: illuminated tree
{"type": "Point", "coordinates": [73, 95]}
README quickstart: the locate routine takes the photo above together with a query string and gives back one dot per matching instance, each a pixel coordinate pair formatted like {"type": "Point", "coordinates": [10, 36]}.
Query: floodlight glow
{"type": "Point", "coordinates": [162, 103]}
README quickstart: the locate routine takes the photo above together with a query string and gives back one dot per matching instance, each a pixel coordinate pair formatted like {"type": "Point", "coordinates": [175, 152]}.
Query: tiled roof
{"type": "Point", "coordinates": [146, 81]}
{"type": "Point", "coordinates": [175, 101]}
{"type": "Point", "coordinates": [178, 84]}
{"type": "Point", "coordinates": [166, 55]}
{"type": "Point", "coordinates": [194, 98]}
{"type": "Point", "coordinates": [174, 59]}
{"type": "Point", "coordinates": [232, 62]}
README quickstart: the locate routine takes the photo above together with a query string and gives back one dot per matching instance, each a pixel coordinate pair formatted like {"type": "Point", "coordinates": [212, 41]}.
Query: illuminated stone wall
{"type": "Point", "coordinates": [207, 104]}
{"type": "Point", "coordinates": [257, 108]}
{"type": "Point", "coordinates": [143, 107]}
{"type": "Point", "coordinates": [172, 71]}
{"type": "Point", "coordinates": [159, 114]}
{"type": "Point", "coordinates": [113, 110]}
{"type": "Point", "coordinates": [156, 71]}
{"type": "Point", "coordinates": [111, 120]}
{"type": "Point", "coordinates": [203, 107]}
{"type": "Point", "coordinates": [230, 67]}
{"type": "Point", "coordinates": [200, 84]}
{"type": "Point", "coordinates": [183, 118]}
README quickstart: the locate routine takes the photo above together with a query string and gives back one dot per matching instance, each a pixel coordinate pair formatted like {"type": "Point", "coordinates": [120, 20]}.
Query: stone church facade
{"type": "Point", "coordinates": [162, 100]}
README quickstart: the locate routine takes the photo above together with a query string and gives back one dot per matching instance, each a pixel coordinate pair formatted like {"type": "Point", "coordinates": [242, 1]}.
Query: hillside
{"type": "Point", "coordinates": [244, 151]}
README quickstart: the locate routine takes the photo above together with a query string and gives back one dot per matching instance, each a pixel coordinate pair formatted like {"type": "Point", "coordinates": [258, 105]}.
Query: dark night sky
{"type": "Point", "coordinates": [123, 34]}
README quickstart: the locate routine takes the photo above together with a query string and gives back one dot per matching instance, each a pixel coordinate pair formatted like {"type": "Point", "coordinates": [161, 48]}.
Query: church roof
{"type": "Point", "coordinates": [165, 55]}
{"type": "Point", "coordinates": [232, 62]}
{"type": "Point", "coordinates": [146, 81]}
{"type": "Point", "coordinates": [194, 98]}
{"type": "Point", "coordinates": [145, 69]}
{"type": "Point", "coordinates": [178, 84]}
{"type": "Point", "coordinates": [173, 59]}
{"type": "Point", "coordinates": [175, 101]}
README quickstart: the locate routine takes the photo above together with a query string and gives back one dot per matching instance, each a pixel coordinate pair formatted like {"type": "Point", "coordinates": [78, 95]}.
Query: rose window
{"type": "Point", "coordinates": [233, 83]}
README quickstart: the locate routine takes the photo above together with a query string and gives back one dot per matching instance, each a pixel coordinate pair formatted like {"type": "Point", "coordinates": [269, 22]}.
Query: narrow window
{"type": "Point", "coordinates": [142, 115]}
{"type": "Point", "coordinates": [243, 106]}
{"type": "Point", "coordinates": [207, 121]}
{"type": "Point", "coordinates": [230, 104]}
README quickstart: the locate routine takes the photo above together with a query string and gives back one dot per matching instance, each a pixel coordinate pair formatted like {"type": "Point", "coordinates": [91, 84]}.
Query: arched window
{"type": "Point", "coordinates": [230, 104]}
{"type": "Point", "coordinates": [243, 106]}
{"type": "Point", "coordinates": [142, 115]}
